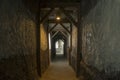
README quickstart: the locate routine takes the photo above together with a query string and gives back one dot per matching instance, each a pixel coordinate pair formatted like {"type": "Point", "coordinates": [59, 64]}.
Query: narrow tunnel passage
{"type": "Point", "coordinates": [60, 41]}
{"type": "Point", "coordinates": [90, 30]}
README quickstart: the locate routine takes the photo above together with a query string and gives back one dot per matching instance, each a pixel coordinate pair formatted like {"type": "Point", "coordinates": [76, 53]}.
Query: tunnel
{"type": "Point", "coordinates": [59, 40]}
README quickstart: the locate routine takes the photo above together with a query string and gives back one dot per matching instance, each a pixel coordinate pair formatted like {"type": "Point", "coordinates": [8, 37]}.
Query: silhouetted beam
{"type": "Point", "coordinates": [65, 28]}
{"type": "Point", "coordinates": [53, 27]}
{"type": "Point", "coordinates": [71, 28]}
{"type": "Point", "coordinates": [46, 16]}
{"type": "Point", "coordinates": [58, 4]}
{"type": "Point", "coordinates": [55, 33]}
{"type": "Point", "coordinates": [63, 34]}
{"type": "Point", "coordinates": [79, 43]}
{"type": "Point", "coordinates": [69, 16]}
{"type": "Point", "coordinates": [61, 21]}
{"type": "Point", "coordinates": [59, 36]}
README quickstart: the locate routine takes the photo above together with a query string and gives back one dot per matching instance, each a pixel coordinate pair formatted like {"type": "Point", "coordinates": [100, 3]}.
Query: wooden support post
{"type": "Point", "coordinates": [79, 41]}
{"type": "Point", "coordinates": [70, 28]}
{"type": "Point", "coordinates": [48, 44]}
{"type": "Point", "coordinates": [38, 42]}
{"type": "Point", "coordinates": [58, 4]}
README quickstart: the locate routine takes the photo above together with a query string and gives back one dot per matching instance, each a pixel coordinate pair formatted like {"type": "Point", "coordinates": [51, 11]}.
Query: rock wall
{"type": "Point", "coordinates": [101, 29]}
{"type": "Point", "coordinates": [17, 42]}
{"type": "Point", "coordinates": [44, 48]}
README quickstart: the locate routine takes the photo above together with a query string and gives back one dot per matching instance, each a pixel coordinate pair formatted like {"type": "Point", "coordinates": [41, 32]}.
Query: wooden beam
{"type": "Point", "coordinates": [59, 4]}
{"type": "Point", "coordinates": [63, 34]}
{"type": "Point", "coordinates": [69, 16]}
{"type": "Point", "coordinates": [79, 42]}
{"type": "Point", "coordinates": [53, 27]}
{"type": "Point", "coordinates": [46, 16]}
{"type": "Point", "coordinates": [38, 39]}
{"type": "Point", "coordinates": [60, 32]}
{"type": "Point", "coordinates": [55, 34]}
{"type": "Point", "coordinates": [61, 21]}
{"type": "Point", "coordinates": [65, 28]}
{"type": "Point", "coordinates": [71, 28]}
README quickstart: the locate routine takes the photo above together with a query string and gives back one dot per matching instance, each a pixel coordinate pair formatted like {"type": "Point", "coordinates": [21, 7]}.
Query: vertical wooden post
{"type": "Point", "coordinates": [38, 41]}
{"type": "Point", "coordinates": [79, 42]}
{"type": "Point", "coordinates": [48, 42]}
{"type": "Point", "coordinates": [70, 44]}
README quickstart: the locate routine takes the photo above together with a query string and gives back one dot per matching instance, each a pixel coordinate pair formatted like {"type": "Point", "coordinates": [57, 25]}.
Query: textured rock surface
{"type": "Point", "coordinates": [44, 52]}
{"type": "Point", "coordinates": [17, 42]}
{"type": "Point", "coordinates": [101, 36]}
{"type": "Point", "coordinates": [74, 48]}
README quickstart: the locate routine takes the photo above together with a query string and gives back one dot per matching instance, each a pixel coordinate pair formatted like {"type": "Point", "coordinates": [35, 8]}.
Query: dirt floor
{"type": "Point", "coordinates": [59, 69]}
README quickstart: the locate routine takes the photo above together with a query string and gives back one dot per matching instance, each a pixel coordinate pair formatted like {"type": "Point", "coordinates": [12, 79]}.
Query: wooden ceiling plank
{"type": "Point", "coordinates": [61, 21]}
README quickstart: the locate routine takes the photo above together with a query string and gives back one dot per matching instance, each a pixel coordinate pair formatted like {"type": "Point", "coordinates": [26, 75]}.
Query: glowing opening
{"type": "Point", "coordinates": [59, 47]}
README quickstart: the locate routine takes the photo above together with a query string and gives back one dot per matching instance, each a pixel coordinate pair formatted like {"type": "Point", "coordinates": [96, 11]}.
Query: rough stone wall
{"type": "Point", "coordinates": [17, 42]}
{"type": "Point", "coordinates": [101, 36]}
{"type": "Point", "coordinates": [44, 49]}
{"type": "Point", "coordinates": [74, 48]}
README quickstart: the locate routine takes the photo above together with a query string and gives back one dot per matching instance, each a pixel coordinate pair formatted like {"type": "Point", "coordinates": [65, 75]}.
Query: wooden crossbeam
{"type": "Point", "coordinates": [71, 28]}
{"type": "Point", "coordinates": [69, 16]}
{"type": "Point", "coordinates": [63, 34]}
{"type": "Point", "coordinates": [55, 34]}
{"type": "Point", "coordinates": [53, 27]}
{"type": "Point", "coordinates": [46, 16]}
{"type": "Point", "coordinates": [61, 21]}
{"type": "Point", "coordinates": [58, 32]}
{"type": "Point", "coordinates": [58, 4]}
{"type": "Point", "coordinates": [65, 28]}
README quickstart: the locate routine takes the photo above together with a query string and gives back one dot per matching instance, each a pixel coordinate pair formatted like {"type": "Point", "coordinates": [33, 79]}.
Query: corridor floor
{"type": "Point", "coordinates": [59, 70]}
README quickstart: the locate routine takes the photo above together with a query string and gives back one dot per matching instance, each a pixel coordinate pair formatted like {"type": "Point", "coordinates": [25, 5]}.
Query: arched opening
{"type": "Point", "coordinates": [59, 46]}
{"type": "Point", "coordinates": [59, 50]}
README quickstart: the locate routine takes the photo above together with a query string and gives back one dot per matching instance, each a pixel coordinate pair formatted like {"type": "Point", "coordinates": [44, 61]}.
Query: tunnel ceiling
{"type": "Point", "coordinates": [70, 6]}
{"type": "Point", "coordinates": [85, 5]}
